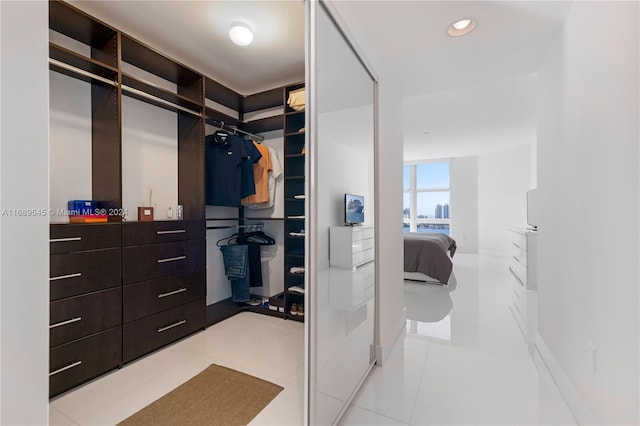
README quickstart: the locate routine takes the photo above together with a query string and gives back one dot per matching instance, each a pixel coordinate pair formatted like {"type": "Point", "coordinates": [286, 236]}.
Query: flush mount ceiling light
{"type": "Point", "coordinates": [461, 27]}
{"type": "Point", "coordinates": [240, 34]}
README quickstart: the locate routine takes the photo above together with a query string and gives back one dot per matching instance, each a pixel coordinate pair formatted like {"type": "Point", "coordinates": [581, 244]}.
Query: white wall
{"type": "Point", "coordinates": [588, 195]}
{"type": "Point", "coordinates": [463, 174]}
{"type": "Point", "coordinates": [390, 250]}
{"type": "Point", "coordinates": [69, 142]}
{"type": "Point", "coordinates": [504, 178]}
{"type": "Point", "coordinates": [149, 158]}
{"type": "Point", "coordinates": [24, 247]}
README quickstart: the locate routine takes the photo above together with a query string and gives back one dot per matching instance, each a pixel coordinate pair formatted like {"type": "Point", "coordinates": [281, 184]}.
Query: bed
{"type": "Point", "coordinates": [427, 257]}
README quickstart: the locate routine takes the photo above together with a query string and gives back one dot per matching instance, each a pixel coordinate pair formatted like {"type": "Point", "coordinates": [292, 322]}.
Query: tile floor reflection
{"type": "Point", "coordinates": [461, 360]}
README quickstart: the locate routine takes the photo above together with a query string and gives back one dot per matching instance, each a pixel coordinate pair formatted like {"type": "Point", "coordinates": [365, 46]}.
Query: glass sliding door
{"type": "Point", "coordinates": [341, 241]}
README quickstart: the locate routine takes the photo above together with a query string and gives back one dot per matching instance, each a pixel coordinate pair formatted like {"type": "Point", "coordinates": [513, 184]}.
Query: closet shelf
{"type": "Point", "coordinates": [213, 117]}
{"type": "Point", "coordinates": [295, 113]}
{"type": "Point", "coordinates": [266, 124]}
{"type": "Point", "coordinates": [295, 156]}
{"type": "Point", "coordinates": [294, 177]}
{"type": "Point", "coordinates": [130, 82]}
{"type": "Point", "coordinates": [294, 133]}
{"type": "Point", "coordinates": [298, 256]}
{"type": "Point", "coordinates": [84, 63]}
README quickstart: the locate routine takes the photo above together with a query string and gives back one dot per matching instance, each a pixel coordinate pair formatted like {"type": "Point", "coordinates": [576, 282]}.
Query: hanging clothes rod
{"type": "Point", "coordinates": [221, 125]}
{"type": "Point", "coordinates": [160, 100]}
{"type": "Point", "coordinates": [256, 226]}
{"type": "Point", "coordinates": [82, 72]}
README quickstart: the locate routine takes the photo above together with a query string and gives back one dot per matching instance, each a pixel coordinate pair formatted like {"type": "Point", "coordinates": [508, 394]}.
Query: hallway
{"type": "Point", "coordinates": [462, 359]}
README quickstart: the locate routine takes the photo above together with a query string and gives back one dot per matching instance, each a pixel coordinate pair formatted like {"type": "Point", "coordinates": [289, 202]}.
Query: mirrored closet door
{"type": "Point", "coordinates": [342, 119]}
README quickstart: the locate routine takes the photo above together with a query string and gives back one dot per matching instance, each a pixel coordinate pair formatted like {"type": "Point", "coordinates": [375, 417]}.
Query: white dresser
{"type": "Point", "coordinates": [351, 246]}
{"type": "Point", "coordinates": [523, 245]}
{"type": "Point", "coordinates": [523, 260]}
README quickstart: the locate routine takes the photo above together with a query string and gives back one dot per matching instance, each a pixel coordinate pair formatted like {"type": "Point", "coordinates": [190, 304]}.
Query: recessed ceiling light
{"type": "Point", "coordinates": [461, 27]}
{"type": "Point", "coordinates": [241, 34]}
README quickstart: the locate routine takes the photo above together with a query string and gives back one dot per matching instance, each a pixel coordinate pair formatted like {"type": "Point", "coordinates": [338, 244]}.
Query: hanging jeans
{"type": "Point", "coordinates": [236, 267]}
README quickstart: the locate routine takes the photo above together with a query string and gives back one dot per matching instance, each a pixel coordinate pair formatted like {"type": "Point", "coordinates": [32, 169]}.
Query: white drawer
{"type": "Point", "coordinates": [362, 256]}
{"type": "Point", "coordinates": [360, 245]}
{"type": "Point", "coordinates": [518, 240]}
{"type": "Point", "coordinates": [362, 233]}
{"type": "Point", "coordinates": [520, 270]}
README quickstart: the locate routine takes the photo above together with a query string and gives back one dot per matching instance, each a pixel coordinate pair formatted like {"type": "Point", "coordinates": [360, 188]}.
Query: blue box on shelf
{"type": "Point", "coordinates": [82, 207]}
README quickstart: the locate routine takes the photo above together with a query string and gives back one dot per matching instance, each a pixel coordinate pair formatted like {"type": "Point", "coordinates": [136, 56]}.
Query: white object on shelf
{"type": "Point", "coordinates": [351, 246]}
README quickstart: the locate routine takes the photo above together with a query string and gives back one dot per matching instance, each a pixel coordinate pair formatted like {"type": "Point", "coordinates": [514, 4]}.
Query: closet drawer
{"type": "Point", "coordinates": [76, 362]}
{"type": "Point", "coordinates": [83, 272]}
{"type": "Point", "coordinates": [150, 333]}
{"type": "Point", "coordinates": [65, 238]}
{"type": "Point", "coordinates": [363, 256]}
{"type": "Point", "coordinates": [360, 245]}
{"type": "Point", "coordinates": [81, 316]}
{"type": "Point", "coordinates": [362, 233]}
{"type": "Point", "coordinates": [142, 263]}
{"type": "Point", "coordinates": [150, 297]}
{"type": "Point", "coordinates": [138, 233]}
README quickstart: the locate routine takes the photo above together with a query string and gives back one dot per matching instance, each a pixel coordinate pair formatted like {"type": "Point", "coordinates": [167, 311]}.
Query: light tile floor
{"type": "Point", "coordinates": [266, 347]}
{"type": "Point", "coordinates": [461, 360]}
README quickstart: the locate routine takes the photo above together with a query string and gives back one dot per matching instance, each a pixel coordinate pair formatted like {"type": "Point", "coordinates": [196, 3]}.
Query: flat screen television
{"type": "Point", "coordinates": [353, 209]}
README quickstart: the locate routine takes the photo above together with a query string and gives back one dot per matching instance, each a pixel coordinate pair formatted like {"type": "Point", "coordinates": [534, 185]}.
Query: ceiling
{"type": "Point", "coordinates": [473, 94]}
{"type": "Point", "coordinates": [196, 34]}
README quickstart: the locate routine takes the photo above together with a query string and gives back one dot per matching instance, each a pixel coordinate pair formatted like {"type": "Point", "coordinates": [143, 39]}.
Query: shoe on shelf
{"type": "Point", "coordinates": [294, 309]}
{"type": "Point", "coordinates": [301, 310]}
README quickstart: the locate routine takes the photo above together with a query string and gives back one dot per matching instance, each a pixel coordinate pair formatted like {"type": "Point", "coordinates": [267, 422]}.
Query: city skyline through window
{"type": "Point", "coordinates": [426, 197]}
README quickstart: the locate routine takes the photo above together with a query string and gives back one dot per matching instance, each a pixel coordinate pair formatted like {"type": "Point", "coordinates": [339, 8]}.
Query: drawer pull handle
{"type": "Point", "coordinates": [72, 320]}
{"type": "Point", "coordinates": [515, 244]}
{"type": "Point", "coordinates": [64, 277]}
{"type": "Point", "coordinates": [172, 259]}
{"type": "Point", "coordinates": [518, 260]}
{"type": "Point", "coordinates": [62, 240]}
{"type": "Point", "coordinates": [177, 231]}
{"type": "Point", "coordinates": [160, 330]}
{"type": "Point", "coordinates": [171, 293]}
{"type": "Point", "coordinates": [60, 370]}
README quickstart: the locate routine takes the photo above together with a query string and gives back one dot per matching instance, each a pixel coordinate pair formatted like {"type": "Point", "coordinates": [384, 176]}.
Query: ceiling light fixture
{"type": "Point", "coordinates": [461, 27]}
{"type": "Point", "coordinates": [241, 34]}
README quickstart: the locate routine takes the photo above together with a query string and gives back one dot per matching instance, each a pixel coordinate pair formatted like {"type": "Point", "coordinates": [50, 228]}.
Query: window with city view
{"type": "Point", "coordinates": [426, 198]}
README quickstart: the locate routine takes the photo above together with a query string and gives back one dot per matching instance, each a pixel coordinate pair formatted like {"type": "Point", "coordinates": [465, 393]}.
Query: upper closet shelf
{"type": "Point", "coordinates": [158, 96]}
{"type": "Point", "coordinates": [74, 23]}
{"type": "Point", "coordinates": [189, 83]}
{"type": "Point", "coordinates": [83, 63]}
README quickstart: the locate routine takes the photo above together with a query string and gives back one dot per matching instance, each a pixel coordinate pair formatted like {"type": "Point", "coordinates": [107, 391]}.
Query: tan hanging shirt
{"type": "Point", "coordinates": [261, 176]}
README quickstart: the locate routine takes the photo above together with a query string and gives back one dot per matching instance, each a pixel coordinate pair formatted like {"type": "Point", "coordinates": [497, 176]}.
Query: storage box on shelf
{"type": "Point", "coordinates": [85, 331]}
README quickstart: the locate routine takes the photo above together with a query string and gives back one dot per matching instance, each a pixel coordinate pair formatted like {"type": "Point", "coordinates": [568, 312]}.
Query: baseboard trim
{"type": "Point", "coordinates": [572, 396]}
{"type": "Point", "coordinates": [383, 351]}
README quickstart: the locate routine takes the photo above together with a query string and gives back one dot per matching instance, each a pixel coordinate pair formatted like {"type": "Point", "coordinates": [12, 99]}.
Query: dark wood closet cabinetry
{"type": "Point", "coordinates": [122, 289]}
{"type": "Point", "coordinates": [85, 330]}
{"type": "Point", "coordinates": [164, 279]}
{"type": "Point", "coordinates": [294, 208]}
